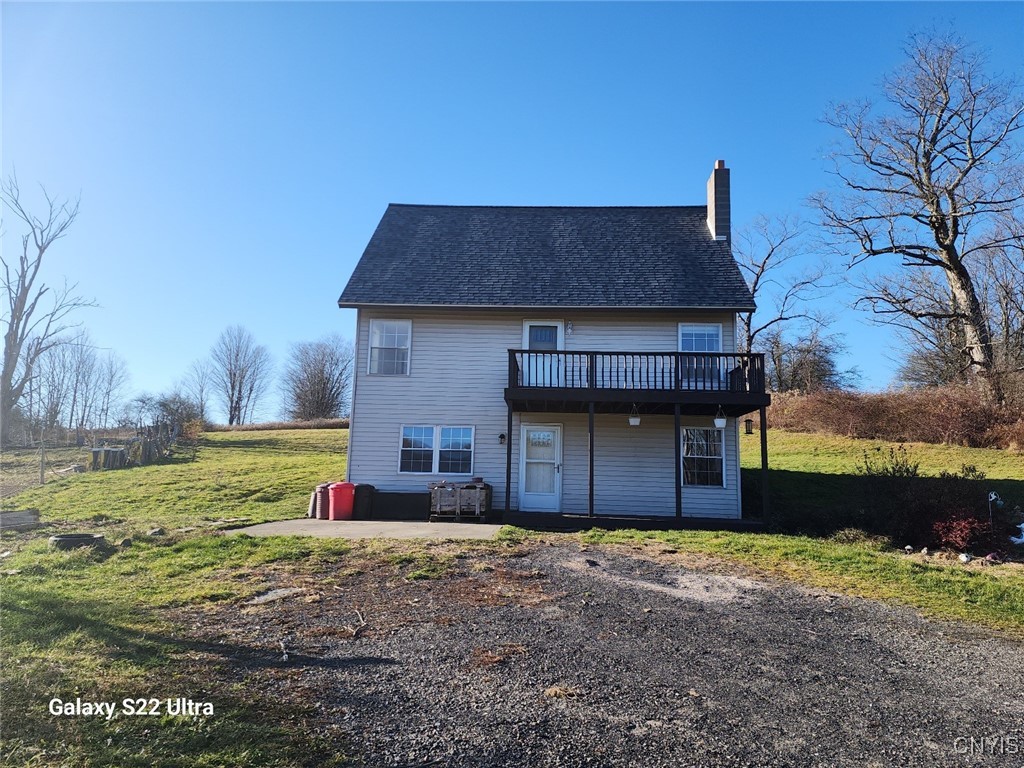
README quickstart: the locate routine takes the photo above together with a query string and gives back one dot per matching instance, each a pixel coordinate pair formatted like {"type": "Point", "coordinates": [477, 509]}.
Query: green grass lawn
{"type": "Point", "coordinates": [258, 476]}
{"type": "Point", "coordinates": [814, 484]}
{"type": "Point", "coordinates": [104, 625]}
{"type": "Point", "coordinates": [94, 624]}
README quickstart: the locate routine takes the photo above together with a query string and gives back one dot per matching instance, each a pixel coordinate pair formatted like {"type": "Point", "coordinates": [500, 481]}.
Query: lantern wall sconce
{"type": "Point", "coordinates": [720, 419]}
{"type": "Point", "coordinates": [634, 417]}
{"type": "Point", "coordinates": [501, 438]}
{"type": "Point", "coordinates": [568, 328]}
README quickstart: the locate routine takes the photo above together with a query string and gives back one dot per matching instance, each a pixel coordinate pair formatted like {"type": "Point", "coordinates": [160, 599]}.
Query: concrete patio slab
{"type": "Point", "coordinates": [371, 529]}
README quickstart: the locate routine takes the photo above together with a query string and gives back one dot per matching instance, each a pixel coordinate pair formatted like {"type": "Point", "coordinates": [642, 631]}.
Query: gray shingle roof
{"type": "Point", "coordinates": [546, 257]}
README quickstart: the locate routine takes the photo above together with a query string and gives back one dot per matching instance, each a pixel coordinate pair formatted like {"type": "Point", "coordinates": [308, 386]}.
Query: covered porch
{"type": "Point", "coordinates": [671, 395]}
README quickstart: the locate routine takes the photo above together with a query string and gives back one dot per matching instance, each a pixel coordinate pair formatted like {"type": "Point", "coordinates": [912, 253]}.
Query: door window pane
{"type": "Point", "coordinates": [540, 477]}
{"type": "Point", "coordinates": [540, 444]}
{"type": "Point", "coordinates": [543, 337]}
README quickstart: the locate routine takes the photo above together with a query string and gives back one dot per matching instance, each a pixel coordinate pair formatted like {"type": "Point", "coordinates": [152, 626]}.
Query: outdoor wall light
{"type": "Point", "coordinates": [568, 328]}
{"type": "Point", "coordinates": [720, 419]}
{"type": "Point", "coordinates": [501, 438]}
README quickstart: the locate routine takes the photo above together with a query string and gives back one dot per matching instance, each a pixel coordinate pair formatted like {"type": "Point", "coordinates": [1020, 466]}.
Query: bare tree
{"type": "Point", "coordinates": [764, 252]}
{"type": "Point", "coordinates": [933, 336]}
{"type": "Point", "coordinates": [318, 379]}
{"type": "Point", "coordinates": [112, 378]}
{"type": "Point", "coordinates": [241, 372]}
{"type": "Point", "coordinates": [925, 181]}
{"type": "Point", "coordinates": [83, 371]}
{"type": "Point", "coordinates": [34, 313]}
{"type": "Point", "coordinates": [199, 384]}
{"type": "Point", "coordinates": [806, 363]}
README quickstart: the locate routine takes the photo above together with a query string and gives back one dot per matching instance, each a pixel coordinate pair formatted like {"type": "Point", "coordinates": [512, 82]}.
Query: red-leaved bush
{"type": "Point", "coordinates": [960, 529]}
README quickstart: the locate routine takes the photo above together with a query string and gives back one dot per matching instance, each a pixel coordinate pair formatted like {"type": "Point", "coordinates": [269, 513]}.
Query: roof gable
{"type": "Point", "coordinates": [616, 257]}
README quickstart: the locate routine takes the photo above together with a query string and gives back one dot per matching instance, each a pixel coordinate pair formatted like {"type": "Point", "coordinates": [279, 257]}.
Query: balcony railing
{"type": "Point", "coordinates": [649, 371]}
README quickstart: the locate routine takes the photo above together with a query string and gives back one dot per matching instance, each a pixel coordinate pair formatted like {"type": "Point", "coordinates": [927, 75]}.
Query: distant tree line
{"type": "Point", "coordinates": [54, 380]}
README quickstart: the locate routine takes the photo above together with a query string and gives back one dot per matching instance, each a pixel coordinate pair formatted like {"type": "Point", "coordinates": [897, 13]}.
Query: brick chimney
{"type": "Point", "coordinates": [718, 202]}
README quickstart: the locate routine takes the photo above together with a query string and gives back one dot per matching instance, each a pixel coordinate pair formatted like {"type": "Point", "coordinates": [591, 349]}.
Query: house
{"type": "Point", "coordinates": [575, 358]}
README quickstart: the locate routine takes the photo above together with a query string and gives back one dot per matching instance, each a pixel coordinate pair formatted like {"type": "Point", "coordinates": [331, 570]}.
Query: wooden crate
{"type": "Point", "coordinates": [459, 500]}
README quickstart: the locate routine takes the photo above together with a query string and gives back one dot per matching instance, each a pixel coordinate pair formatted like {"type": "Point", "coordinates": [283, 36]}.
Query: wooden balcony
{"type": "Point", "coordinates": [653, 382]}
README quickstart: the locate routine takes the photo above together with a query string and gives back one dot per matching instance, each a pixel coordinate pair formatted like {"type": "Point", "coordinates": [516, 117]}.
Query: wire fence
{"type": "Point", "coordinates": [28, 466]}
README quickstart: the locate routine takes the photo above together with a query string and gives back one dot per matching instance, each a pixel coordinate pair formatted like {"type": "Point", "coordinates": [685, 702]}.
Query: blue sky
{"type": "Point", "coordinates": [233, 159]}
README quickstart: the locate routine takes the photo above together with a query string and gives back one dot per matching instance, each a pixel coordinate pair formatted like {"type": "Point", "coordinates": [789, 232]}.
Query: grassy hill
{"type": "Point", "coordinates": [258, 476]}
{"type": "Point", "coordinates": [109, 625]}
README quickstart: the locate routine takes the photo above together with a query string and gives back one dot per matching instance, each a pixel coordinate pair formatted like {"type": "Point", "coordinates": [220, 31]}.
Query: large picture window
{"type": "Point", "coordinates": [389, 347]}
{"type": "Point", "coordinates": [436, 450]}
{"type": "Point", "coordinates": [703, 457]}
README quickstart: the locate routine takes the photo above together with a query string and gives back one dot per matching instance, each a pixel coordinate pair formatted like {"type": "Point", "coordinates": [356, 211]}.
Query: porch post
{"type": "Point", "coordinates": [508, 463]}
{"type": "Point", "coordinates": [765, 509]}
{"type": "Point", "coordinates": [679, 465]}
{"type": "Point", "coordinates": [590, 429]}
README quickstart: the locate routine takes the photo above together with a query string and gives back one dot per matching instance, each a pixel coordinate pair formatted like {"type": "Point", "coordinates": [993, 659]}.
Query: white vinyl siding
{"type": "Point", "coordinates": [458, 373]}
{"type": "Point", "coordinates": [634, 467]}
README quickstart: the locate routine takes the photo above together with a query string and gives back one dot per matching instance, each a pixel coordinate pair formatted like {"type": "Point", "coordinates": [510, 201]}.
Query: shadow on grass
{"type": "Point", "coordinates": [819, 504]}
{"type": "Point", "coordinates": [44, 620]}
{"type": "Point", "coordinates": [67, 647]}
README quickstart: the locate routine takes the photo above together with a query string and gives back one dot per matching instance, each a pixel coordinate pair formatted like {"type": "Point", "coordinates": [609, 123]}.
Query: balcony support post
{"type": "Point", "coordinates": [679, 464]}
{"type": "Point", "coordinates": [508, 464]}
{"type": "Point", "coordinates": [590, 432]}
{"type": "Point", "coordinates": [765, 507]}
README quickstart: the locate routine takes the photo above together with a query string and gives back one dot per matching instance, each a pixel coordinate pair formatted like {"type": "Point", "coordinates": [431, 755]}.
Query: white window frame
{"type": "Point", "coordinates": [560, 334]}
{"type": "Point", "coordinates": [683, 456]}
{"type": "Point", "coordinates": [679, 335]}
{"type": "Point", "coordinates": [370, 347]}
{"type": "Point", "coordinates": [436, 449]}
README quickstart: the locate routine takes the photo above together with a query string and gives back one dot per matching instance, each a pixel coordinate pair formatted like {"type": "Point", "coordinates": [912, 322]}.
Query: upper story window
{"type": "Point", "coordinates": [389, 347]}
{"type": "Point", "coordinates": [700, 337]}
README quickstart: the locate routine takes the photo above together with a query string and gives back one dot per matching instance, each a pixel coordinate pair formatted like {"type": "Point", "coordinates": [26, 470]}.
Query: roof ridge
{"type": "Point", "coordinates": [551, 207]}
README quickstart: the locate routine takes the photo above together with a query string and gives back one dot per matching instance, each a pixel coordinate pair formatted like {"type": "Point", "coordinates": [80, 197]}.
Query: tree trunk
{"type": "Point", "coordinates": [977, 336]}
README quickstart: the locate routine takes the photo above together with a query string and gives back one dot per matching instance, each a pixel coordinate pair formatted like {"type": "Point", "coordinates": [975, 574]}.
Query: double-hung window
{"type": "Point", "coordinates": [701, 369]}
{"type": "Point", "coordinates": [437, 450]}
{"type": "Point", "coordinates": [700, 337]}
{"type": "Point", "coordinates": [703, 457]}
{"type": "Point", "coordinates": [389, 347]}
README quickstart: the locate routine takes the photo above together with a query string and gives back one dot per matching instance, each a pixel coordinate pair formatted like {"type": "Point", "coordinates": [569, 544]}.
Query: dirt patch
{"type": "Point", "coordinates": [605, 656]}
{"type": "Point", "coordinates": [688, 585]}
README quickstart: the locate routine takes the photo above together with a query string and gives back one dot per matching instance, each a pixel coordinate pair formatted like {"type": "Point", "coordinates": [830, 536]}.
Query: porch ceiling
{"type": "Point", "coordinates": [575, 400]}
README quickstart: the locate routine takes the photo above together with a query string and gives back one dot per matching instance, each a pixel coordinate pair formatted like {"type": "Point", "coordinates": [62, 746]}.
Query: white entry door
{"type": "Point", "coordinates": [540, 468]}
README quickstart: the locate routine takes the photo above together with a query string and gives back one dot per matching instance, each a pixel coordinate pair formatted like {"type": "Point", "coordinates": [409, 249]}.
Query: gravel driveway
{"type": "Point", "coordinates": [566, 656]}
